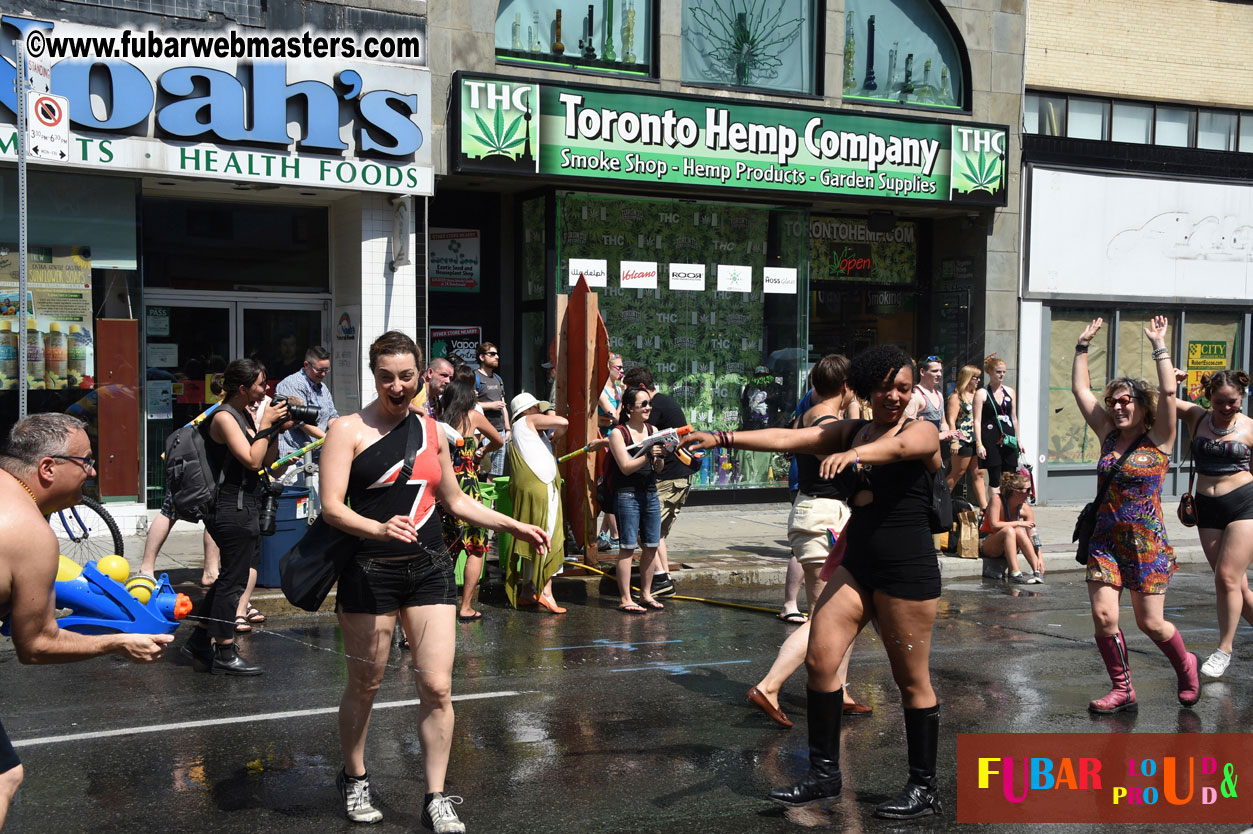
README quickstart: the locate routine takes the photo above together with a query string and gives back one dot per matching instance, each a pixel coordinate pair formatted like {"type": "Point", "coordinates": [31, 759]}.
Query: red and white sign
{"type": "Point", "coordinates": [638, 275]}
{"type": "Point", "coordinates": [47, 127]}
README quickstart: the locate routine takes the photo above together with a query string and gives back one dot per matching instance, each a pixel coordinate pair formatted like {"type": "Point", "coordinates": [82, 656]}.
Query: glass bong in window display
{"type": "Point", "coordinates": [607, 52]}
{"type": "Point", "coordinates": [588, 46]}
{"type": "Point", "coordinates": [558, 47]}
{"type": "Point", "coordinates": [516, 43]}
{"type": "Point", "coordinates": [628, 33]}
{"type": "Point", "coordinates": [850, 47]}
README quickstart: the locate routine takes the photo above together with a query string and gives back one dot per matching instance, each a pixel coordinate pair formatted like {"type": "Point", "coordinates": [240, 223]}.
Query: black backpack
{"type": "Point", "coordinates": [190, 478]}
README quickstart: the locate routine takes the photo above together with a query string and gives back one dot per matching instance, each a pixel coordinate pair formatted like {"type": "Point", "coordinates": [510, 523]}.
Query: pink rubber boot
{"type": "Point", "coordinates": [1185, 664]}
{"type": "Point", "coordinates": [1122, 697]}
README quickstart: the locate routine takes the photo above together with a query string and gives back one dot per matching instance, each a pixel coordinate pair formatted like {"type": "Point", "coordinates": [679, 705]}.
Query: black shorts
{"type": "Point", "coordinates": [381, 586]}
{"type": "Point", "coordinates": [966, 450]}
{"type": "Point", "coordinates": [1216, 512]}
{"type": "Point", "coordinates": [998, 461]}
{"type": "Point", "coordinates": [897, 562]}
{"type": "Point", "coordinates": [8, 756]}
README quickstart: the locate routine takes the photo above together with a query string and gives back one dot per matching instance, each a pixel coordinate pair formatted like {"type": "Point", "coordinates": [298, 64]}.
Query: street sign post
{"type": "Point", "coordinates": [47, 126]}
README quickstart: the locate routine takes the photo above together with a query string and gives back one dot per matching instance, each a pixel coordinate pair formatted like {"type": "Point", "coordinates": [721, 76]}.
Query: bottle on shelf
{"type": "Point", "coordinates": [35, 369]}
{"type": "Point", "coordinates": [76, 356]}
{"type": "Point", "coordinates": [55, 358]}
{"type": "Point", "coordinates": [8, 357]}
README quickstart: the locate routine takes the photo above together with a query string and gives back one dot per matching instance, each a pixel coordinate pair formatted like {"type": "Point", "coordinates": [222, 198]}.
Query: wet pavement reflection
{"type": "Point", "coordinates": [593, 721]}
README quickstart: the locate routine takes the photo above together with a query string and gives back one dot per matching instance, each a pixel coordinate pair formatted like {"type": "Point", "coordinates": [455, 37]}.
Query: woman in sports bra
{"type": "Point", "coordinates": [889, 573]}
{"type": "Point", "coordinates": [1221, 441]}
{"type": "Point", "coordinates": [996, 413]}
{"type": "Point", "coordinates": [401, 570]}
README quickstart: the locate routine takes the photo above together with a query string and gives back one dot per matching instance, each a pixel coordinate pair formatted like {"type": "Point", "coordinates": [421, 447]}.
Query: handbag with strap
{"type": "Point", "coordinates": [1008, 441]}
{"type": "Point", "coordinates": [311, 568]}
{"type": "Point", "coordinates": [1187, 503]}
{"type": "Point", "coordinates": [1085, 525]}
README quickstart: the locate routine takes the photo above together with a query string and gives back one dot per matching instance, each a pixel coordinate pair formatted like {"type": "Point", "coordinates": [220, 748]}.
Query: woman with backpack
{"type": "Point", "coordinates": [236, 447]}
{"type": "Point", "coordinates": [633, 485]}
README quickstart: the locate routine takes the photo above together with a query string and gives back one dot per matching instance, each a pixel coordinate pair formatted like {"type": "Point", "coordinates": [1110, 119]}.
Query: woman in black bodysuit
{"type": "Point", "coordinates": [889, 573]}
{"type": "Point", "coordinates": [996, 425]}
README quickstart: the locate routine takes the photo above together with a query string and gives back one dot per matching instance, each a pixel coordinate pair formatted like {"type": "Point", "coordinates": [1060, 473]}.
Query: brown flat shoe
{"type": "Point", "coordinates": [755, 697]}
{"type": "Point", "coordinates": [855, 708]}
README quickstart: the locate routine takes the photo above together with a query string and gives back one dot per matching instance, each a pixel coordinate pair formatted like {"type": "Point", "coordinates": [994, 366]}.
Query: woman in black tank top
{"type": "Point", "coordinates": [236, 448]}
{"type": "Point", "coordinates": [402, 570]}
{"type": "Point", "coordinates": [890, 573]}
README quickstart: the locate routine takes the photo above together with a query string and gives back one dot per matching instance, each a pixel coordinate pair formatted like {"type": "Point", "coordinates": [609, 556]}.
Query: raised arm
{"type": "Point", "coordinates": [1163, 432]}
{"type": "Point", "coordinates": [1081, 384]}
{"type": "Point", "coordinates": [1186, 410]}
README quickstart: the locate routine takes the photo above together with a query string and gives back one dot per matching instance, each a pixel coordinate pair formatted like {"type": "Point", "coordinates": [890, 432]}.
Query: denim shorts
{"type": "Point", "coordinates": [381, 586]}
{"type": "Point", "coordinates": [639, 517]}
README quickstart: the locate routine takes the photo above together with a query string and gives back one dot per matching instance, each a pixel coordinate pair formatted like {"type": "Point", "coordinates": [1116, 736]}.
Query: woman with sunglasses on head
{"type": "Point", "coordinates": [1221, 441]}
{"type": "Point", "coordinates": [1129, 548]}
{"type": "Point", "coordinates": [372, 490]}
{"type": "Point", "coordinates": [996, 425]}
{"type": "Point", "coordinates": [961, 418]}
{"type": "Point", "coordinates": [633, 480]}
{"type": "Point", "coordinates": [1007, 529]}
{"type": "Point", "coordinates": [889, 572]}
{"type": "Point", "coordinates": [608, 407]}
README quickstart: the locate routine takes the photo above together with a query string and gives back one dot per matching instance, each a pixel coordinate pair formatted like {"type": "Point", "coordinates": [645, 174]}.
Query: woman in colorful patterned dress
{"type": "Point", "coordinates": [463, 424]}
{"type": "Point", "coordinates": [1129, 548]}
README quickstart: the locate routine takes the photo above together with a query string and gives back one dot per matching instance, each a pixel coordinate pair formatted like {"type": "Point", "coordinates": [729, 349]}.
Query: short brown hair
{"type": "Point", "coordinates": [394, 343]}
{"type": "Point", "coordinates": [484, 347]}
{"type": "Point", "coordinates": [639, 377]}
{"type": "Point", "coordinates": [830, 375]}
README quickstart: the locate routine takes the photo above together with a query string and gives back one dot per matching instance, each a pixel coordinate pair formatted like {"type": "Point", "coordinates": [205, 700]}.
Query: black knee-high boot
{"type": "Point", "coordinates": [823, 781]}
{"type": "Point", "coordinates": [921, 795]}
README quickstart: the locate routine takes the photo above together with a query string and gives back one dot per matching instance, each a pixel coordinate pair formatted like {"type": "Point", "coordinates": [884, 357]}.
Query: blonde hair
{"type": "Point", "coordinates": [1141, 390]}
{"type": "Point", "coordinates": [967, 373]}
{"type": "Point", "coordinates": [1011, 481]}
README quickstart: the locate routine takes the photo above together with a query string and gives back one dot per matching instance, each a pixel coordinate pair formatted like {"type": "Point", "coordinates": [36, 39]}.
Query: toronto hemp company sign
{"type": "Point", "coordinates": [511, 126]}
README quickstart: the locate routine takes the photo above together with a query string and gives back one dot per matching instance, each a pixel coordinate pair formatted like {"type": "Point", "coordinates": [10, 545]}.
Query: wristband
{"type": "Point", "coordinates": [731, 440]}
{"type": "Point", "coordinates": [1161, 353]}
{"type": "Point", "coordinates": [1081, 348]}
{"type": "Point", "coordinates": [856, 460]}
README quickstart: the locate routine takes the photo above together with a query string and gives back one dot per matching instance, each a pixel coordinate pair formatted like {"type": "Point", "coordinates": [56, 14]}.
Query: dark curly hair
{"type": "Point", "coordinates": [875, 364]}
{"type": "Point", "coordinates": [1211, 382]}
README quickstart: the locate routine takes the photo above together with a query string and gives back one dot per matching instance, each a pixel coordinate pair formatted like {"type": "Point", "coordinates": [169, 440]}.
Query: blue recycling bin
{"type": "Point", "coordinates": [289, 526]}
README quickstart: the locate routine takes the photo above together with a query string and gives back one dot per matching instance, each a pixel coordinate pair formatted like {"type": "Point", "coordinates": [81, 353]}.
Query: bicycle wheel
{"type": "Point", "coordinates": [87, 532]}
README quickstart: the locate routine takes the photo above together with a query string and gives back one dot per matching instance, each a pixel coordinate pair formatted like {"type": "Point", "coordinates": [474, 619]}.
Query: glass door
{"type": "Point", "coordinates": [190, 337]}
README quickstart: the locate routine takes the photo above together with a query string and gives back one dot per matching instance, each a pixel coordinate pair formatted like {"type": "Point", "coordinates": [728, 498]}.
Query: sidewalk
{"type": "Point", "coordinates": [712, 547]}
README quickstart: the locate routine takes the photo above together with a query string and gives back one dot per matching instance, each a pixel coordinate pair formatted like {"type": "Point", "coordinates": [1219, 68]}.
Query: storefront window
{"type": "Point", "coordinates": [846, 260]}
{"type": "Point", "coordinates": [742, 43]}
{"type": "Point", "coordinates": [901, 52]}
{"type": "Point", "coordinates": [1070, 440]}
{"type": "Point", "coordinates": [614, 36]}
{"type": "Point", "coordinates": [82, 328]}
{"type": "Point", "coordinates": [733, 358]}
{"type": "Point", "coordinates": [534, 271]}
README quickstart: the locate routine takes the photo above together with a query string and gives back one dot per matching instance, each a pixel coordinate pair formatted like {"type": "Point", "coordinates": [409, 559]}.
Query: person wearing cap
{"type": "Point", "coordinates": [535, 490]}
{"type": "Point", "coordinates": [550, 374]}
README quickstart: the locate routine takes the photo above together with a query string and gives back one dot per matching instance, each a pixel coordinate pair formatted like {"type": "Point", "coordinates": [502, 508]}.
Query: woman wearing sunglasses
{"type": "Point", "coordinates": [1221, 441]}
{"type": "Point", "coordinates": [1007, 529]}
{"type": "Point", "coordinates": [1128, 547]}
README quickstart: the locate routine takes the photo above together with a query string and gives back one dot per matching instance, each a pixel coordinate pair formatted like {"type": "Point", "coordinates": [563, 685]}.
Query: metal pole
{"type": "Point", "coordinates": [22, 242]}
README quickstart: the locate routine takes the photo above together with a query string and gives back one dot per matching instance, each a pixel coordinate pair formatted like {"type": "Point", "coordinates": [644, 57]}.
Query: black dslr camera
{"type": "Point", "coordinates": [299, 413]}
{"type": "Point", "coordinates": [269, 507]}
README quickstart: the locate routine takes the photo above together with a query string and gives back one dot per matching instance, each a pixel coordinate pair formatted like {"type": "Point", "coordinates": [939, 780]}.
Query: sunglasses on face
{"type": "Point", "coordinates": [491, 353]}
{"type": "Point", "coordinates": [1125, 400]}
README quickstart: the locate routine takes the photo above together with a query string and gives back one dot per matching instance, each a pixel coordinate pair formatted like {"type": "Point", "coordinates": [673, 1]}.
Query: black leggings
{"type": "Point", "coordinates": [239, 539]}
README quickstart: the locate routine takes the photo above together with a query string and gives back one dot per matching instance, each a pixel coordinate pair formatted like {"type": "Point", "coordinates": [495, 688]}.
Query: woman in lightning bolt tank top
{"type": "Point", "coordinates": [392, 466]}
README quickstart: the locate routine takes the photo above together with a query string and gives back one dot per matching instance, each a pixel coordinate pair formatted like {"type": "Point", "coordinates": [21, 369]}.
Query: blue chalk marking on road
{"type": "Point", "coordinates": [676, 668]}
{"type": "Point", "coordinates": [610, 644]}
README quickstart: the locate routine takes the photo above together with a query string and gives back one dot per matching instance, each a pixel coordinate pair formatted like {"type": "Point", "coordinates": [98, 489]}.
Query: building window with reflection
{"type": "Point", "coordinates": [610, 36]}
{"type": "Point", "coordinates": [904, 52]}
{"type": "Point", "coordinates": [769, 46]}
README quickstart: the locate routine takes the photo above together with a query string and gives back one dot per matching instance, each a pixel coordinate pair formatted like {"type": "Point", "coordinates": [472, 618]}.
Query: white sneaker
{"type": "Point", "coordinates": [356, 794]}
{"type": "Point", "coordinates": [439, 816]}
{"type": "Point", "coordinates": [1216, 665]}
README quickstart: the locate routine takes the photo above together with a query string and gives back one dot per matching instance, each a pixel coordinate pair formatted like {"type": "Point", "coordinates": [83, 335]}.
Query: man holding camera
{"type": "Point", "coordinates": [308, 386]}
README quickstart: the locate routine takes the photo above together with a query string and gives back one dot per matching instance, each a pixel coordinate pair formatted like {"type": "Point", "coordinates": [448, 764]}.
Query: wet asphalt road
{"type": "Point", "coordinates": [590, 722]}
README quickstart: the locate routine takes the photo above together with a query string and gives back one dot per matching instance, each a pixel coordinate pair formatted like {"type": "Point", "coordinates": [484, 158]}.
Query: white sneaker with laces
{"type": "Point", "coordinates": [356, 794]}
{"type": "Point", "coordinates": [439, 815]}
{"type": "Point", "coordinates": [1216, 664]}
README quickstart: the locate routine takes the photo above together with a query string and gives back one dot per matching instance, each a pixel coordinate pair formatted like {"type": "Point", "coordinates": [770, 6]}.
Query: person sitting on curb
{"type": "Point", "coordinates": [1008, 527]}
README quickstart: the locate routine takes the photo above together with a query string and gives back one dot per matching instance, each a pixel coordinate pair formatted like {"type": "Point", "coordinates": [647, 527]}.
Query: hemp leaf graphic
{"type": "Point", "coordinates": [985, 175]}
{"type": "Point", "coordinates": [498, 140]}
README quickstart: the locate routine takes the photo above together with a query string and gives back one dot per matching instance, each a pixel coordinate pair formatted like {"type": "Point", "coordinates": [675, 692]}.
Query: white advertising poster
{"type": "Point", "coordinates": [732, 278]}
{"type": "Point", "coordinates": [779, 279]}
{"type": "Point", "coordinates": [638, 275]}
{"type": "Point", "coordinates": [160, 399]}
{"type": "Point", "coordinates": [59, 325]}
{"type": "Point", "coordinates": [689, 277]}
{"type": "Point", "coordinates": [162, 355]}
{"type": "Point", "coordinates": [595, 272]}
{"type": "Point", "coordinates": [346, 358]}
{"type": "Point", "coordinates": [455, 265]}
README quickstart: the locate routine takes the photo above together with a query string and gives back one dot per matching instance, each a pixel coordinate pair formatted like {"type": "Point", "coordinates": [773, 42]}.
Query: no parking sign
{"type": "Point", "coordinates": [47, 127]}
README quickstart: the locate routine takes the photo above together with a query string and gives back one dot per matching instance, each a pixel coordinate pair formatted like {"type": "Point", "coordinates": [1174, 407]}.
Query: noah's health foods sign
{"type": "Point", "coordinates": [511, 126]}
